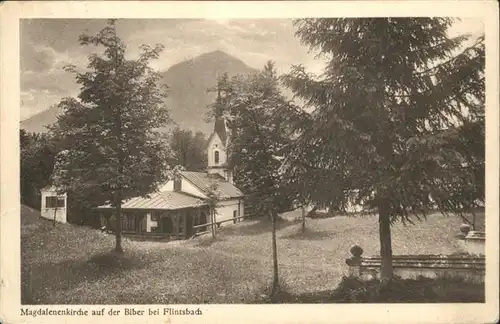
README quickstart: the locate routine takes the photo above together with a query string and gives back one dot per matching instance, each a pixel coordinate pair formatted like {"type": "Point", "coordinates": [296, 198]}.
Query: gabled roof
{"type": "Point", "coordinates": [51, 188]}
{"type": "Point", "coordinates": [220, 129]}
{"type": "Point", "coordinates": [169, 200]}
{"type": "Point", "coordinates": [203, 181]}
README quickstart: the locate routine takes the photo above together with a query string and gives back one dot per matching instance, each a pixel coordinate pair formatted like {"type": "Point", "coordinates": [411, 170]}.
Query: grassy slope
{"type": "Point", "coordinates": [68, 264]}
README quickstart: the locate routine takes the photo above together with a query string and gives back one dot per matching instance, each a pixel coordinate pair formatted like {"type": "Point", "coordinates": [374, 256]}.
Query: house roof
{"type": "Point", "coordinates": [203, 181]}
{"type": "Point", "coordinates": [50, 188]}
{"type": "Point", "coordinates": [169, 200]}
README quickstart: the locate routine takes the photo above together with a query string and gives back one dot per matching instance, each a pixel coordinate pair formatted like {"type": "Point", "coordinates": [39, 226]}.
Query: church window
{"type": "Point", "coordinates": [216, 157]}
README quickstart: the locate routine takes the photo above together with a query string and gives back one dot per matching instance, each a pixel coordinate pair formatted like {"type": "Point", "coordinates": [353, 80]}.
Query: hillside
{"type": "Point", "coordinates": [37, 123]}
{"type": "Point", "coordinates": [188, 98]}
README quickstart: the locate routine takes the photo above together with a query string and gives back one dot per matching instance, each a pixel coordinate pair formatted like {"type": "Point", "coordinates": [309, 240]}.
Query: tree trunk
{"type": "Point", "coordinates": [473, 221]}
{"type": "Point", "coordinates": [386, 269]}
{"type": "Point", "coordinates": [303, 219]}
{"type": "Point", "coordinates": [214, 225]}
{"type": "Point", "coordinates": [55, 216]}
{"type": "Point", "coordinates": [276, 285]}
{"type": "Point", "coordinates": [118, 248]}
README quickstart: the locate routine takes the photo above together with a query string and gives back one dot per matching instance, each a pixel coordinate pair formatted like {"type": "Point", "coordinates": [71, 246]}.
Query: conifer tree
{"type": "Point", "coordinates": [397, 112]}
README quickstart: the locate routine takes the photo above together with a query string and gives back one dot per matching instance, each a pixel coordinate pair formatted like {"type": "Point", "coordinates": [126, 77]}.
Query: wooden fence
{"type": "Point", "coordinates": [218, 223]}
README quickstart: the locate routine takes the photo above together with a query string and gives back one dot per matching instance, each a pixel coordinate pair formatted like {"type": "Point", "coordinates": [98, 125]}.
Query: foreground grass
{"type": "Point", "coordinates": [70, 264]}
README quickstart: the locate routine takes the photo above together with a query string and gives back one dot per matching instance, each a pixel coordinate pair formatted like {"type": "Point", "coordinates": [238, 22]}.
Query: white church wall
{"type": "Point", "coordinates": [227, 209]}
{"type": "Point", "coordinates": [216, 145]}
{"type": "Point", "coordinates": [242, 208]}
{"type": "Point", "coordinates": [189, 188]}
{"type": "Point", "coordinates": [150, 223]}
{"type": "Point", "coordinates": [186, 187]}
{"type": "Point", "coordinates": [169, 186]}
{"type": "Point", "coordinates": [48, 211]}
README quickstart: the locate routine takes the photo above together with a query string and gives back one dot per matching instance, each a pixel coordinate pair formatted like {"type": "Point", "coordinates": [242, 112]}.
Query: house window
{"type": "Point", "coordinates": [54, 202]}
{"type": "Point", "coordinates": [216, 157]}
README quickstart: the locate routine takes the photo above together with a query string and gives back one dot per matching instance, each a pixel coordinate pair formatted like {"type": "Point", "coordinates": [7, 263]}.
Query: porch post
{"type": "Point", "coordinates": [185, 215]}
{"type": "Point", "coordinates": [198, 217]}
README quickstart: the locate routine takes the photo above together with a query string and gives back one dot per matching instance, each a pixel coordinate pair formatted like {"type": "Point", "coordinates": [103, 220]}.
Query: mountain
{"type": "Point", "coordinates": [37, 123]}
{"type": "Point", "coordinates": [188, 82]}
{"type": "Point", "coordinates": [188, 99]}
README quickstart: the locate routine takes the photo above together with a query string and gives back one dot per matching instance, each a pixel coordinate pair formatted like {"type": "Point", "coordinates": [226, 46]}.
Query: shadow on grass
{"type": "Point", "coordinates": [257, 227]}
{"type": "Point", "coordinates": [112, 262]}
{"type": "Point", "coordinates": [308, 235]}
{"type": "Point", "coordinates": [207, 240]}
{"type": "Point", "coordinates": [42, 280]}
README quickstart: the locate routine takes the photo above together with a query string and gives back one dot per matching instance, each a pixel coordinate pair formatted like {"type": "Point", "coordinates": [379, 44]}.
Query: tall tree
{"type": "Point", "coordinates": [111, 146]}
{"type": "Point", "coordinates": [188, 150]}
{"type": "Point", "coordinates": [257, 113]}
{"type": "Point", "coordinates": [390, 108]}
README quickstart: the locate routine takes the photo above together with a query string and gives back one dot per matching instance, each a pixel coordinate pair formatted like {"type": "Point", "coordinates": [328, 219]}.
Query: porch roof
{"type": "Point", "coordinates": [169, 200]}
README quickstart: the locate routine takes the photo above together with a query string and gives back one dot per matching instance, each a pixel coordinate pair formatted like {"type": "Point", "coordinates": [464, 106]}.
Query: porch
{"type": "Point", "coordinates": [158, 223]}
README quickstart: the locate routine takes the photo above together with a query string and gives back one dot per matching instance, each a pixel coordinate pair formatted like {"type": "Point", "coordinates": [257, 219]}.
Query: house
{"type": "Point", "coordinates": [180, 207]}
{"type": "Point", "coordinates": [53, 205]}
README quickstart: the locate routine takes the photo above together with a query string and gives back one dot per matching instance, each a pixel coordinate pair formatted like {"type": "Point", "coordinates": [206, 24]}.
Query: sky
{"type": "Point", "coordinates": [47, 45]}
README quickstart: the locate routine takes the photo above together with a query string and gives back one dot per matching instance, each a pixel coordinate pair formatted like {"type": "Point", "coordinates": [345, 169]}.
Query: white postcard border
{"type": "Point", "coordinates": [10, 14]}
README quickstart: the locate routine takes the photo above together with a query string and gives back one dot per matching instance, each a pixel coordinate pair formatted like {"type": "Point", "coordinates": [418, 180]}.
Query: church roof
{"type": "Point", "coordinates": [220, 129]}
{"type": "Point", "coordinates": [203, 181]}
{"type": "Point", "coordinates": [169, 200]}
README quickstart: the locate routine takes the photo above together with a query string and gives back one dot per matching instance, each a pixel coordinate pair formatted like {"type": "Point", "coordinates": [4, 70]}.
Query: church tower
{"type": "Point", "coordinates": [217, 147]}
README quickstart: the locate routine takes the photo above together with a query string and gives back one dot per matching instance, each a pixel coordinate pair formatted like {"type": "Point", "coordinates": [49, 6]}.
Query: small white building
{"type": "Point", "coordinates": [53, 204]}
{"type": "Point", "coordinates": [179, 208]}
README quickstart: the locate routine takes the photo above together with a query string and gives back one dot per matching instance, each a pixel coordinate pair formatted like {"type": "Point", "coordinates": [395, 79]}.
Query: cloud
{"type": "Point", "coordinates": [36, 101]}
{"type": "Point", "coordinates": [36, 58]}
{"type": "Point", "coordinates": [59, 34]}
{"type": "Point", "coordinates": [56, 82]}
{"type": "Point", "coordinates": [49, 44]}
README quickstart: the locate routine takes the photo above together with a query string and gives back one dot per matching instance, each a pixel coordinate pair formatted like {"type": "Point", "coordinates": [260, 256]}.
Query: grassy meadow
{"type": "Point", "coordinates": [69, 264]}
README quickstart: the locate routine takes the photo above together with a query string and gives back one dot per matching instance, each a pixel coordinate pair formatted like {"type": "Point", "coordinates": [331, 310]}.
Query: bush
{"type": "Point", "coordinates": [420, 290]}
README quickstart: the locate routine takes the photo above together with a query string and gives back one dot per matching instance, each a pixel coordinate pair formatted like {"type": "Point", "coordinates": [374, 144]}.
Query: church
{"type": "Point", "coordinates": [178, 210]}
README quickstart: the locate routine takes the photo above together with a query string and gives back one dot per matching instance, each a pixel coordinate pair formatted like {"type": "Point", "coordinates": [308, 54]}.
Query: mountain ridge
{"type": "Point", "coordinates": [188, 98]}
